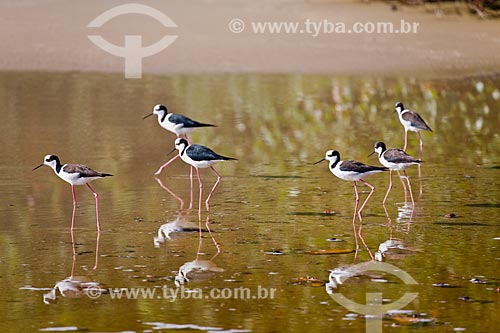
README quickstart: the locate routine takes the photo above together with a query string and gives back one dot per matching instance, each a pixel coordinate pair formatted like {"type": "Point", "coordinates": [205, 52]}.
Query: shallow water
{"type": "Point", "coordinates": [267, 214]}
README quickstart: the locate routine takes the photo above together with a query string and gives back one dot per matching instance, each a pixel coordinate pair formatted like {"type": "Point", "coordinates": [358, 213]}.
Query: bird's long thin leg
{"type": "Point", "coordinates": [96, 206]}
{"type": "Point", "coordinates": [74, 208]}
{"type": "Point", "coordinates": [406, 140]}
{"type": "Point", "coordinates": [354, 220]}
{"type": "Point", "coordinates": [165, 165]}
{"type": "Point", "coordinates": [213, 188]}
{"type": "Point", "coordinates": [409, 187]}
{"type": "Point", "coordinates": [191, 187]}
{"type": "Point", "coordinates": [389, 188]}
{"type": "Point", "coordinates": [201, 196]}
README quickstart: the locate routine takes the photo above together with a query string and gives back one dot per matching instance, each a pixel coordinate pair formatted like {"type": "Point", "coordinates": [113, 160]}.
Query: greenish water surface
{"type": "Point", "coordinates": [272, 208]}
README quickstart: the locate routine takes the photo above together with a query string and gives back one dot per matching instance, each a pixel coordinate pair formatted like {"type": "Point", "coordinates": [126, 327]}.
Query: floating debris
{"type": "Point", "coordinates": [444, 285]}
{"type": "Point", "coordinates": [409, 317]}
{"type": "Point", "coordinates": [309, 281]}
{"type": "Point", "coordinates": [274, 252]}
{"type": "Point", "coordinates": [333, 239]}
{"type": "Point", "coordinates": [477, 281]}
{"type": "Point", "coordinates": [450, 215]}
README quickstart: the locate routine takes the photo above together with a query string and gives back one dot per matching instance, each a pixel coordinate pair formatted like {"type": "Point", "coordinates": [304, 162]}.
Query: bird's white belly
{"type": "Point", "coordinates": [74, 178]}
{"type": "Point", "coordinates": [394, 166]}
{"type": "Point", "coordinates": [347, 175]}
{"type": "Point", "coordinates": [197, 164]}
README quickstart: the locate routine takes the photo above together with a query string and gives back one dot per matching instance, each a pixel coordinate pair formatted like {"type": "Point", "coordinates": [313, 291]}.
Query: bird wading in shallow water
{"type": "Point", "coordinates": [175, 123]}
{"type": "Point", "coordinates": [75, 174]}
{"type": "Point", "coordinates": [200, 157]}
{"type": "Point", "coordinates": [411, 121]}
{"type": "Point", "coordinates": [352, 171]}
{"type": "Point", "coordinates": [395, 159]}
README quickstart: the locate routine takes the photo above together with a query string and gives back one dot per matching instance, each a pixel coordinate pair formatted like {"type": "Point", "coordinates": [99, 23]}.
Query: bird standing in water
{"type": "Point", "coordinates": [75, 174]}
{"type": "Point", "coordinates": [411, 122]}
{"type": "Point", "coordinates": [395, 159]}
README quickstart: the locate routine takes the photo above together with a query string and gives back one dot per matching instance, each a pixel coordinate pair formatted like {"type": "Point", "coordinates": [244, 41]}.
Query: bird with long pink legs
{"type": "Point", "coordinates": [75, 174]}
{"type": "Point", "coordinates": [411, 121]}
{"type": "Point", "coordinates": [200, 157]}
{"type": "Point", "coordinates": [352, 171]}
{"type": "Point", "coordinates": [178, 124]}
{"type": "Point", "coordinates": [395, 159]}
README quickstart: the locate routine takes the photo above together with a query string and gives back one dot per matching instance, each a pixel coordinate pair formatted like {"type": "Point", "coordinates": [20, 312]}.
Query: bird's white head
{"type": "Point", "coordinates": [380, 148]}
{"type": "Point", "coordinates": [180, 144]}
{"type": "Point", "coordinates": [399, 107]}
{"type": "Point", "coordinates": [332, 155]}
{"type": "Point", "coordinates": [51, 161]}
{"type": "Point", "coordinates": [160, 110]}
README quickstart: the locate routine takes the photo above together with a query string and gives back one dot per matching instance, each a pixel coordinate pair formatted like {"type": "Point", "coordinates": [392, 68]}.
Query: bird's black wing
{"type": "Point", "coordinates": [185, 121]}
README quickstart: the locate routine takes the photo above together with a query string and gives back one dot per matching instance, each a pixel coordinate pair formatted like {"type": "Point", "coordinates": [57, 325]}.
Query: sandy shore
{"type": "Point", "coordinates": [53, 36]}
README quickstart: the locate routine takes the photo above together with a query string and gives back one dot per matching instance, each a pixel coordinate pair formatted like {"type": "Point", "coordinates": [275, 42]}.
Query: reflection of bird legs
{"type": "Point", "coordinates": [389, 221]}
{"type": "Point", "coordinates": [409, 185]}
{"type": "Point", "coordinates": [171, 193]}
{"type": "Point", "coordinates": [97, 251]}
{"type": "Point", "coordinates": [420, 180]}
{"type": "Point", "coordinates": [360, 216]}
{"type": "Point", "coordinates": [201, 190]}
{"type": "Point", "coordinates": [73, 247]}
{"type": "Point", "coordinates": [360, 234]}
{"type": "Point", "coordinates": [217, 245]}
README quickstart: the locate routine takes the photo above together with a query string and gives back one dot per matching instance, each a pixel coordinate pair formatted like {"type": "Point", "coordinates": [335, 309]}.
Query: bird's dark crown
{"type": "Point", "coordinates": [161, 107]}
{"type": "Point", "coordinates": [51, 158]}
{"type": "Point", "coordinates": [380, 144]}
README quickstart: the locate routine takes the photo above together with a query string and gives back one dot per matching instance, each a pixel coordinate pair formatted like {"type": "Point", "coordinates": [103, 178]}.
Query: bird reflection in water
{"type": "Point", "coordinates": [198, 269]}
{"type": "Point", "coordinates": [396, 248]}
{"type": "Point", "coordinates": [76, 286]}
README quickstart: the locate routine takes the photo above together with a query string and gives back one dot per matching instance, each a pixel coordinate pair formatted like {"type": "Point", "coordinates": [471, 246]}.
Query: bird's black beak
{"type": "Point", "coordinates": [321, 160]}
{"type": "Point", "coordinates": [37, 167]}
{"type": "Point", "coordinates": [171, 151]}
{"type": "Point", "coordinates": [148, 115]}
{"type": "Point", "coordinates": [373, 152]}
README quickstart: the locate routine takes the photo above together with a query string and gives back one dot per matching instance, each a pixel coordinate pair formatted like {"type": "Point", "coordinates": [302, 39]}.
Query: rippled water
{"type": "Point", "coordinates": [270, 212]}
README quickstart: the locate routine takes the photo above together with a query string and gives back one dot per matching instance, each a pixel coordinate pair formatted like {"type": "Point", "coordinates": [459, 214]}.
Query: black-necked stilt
{"type": "Point", "coordinates": [75, 174]}
{"type": "Point", "coordinates": [395, 159]}
{"type": "Point", "coordinates": [199, 157]}
{"type": "Point", "coordinates": [411, 122]}
{"type": "Point", "coordinates": [352, 171]}
{"type": "Point", "coordinates": [175, 123]}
